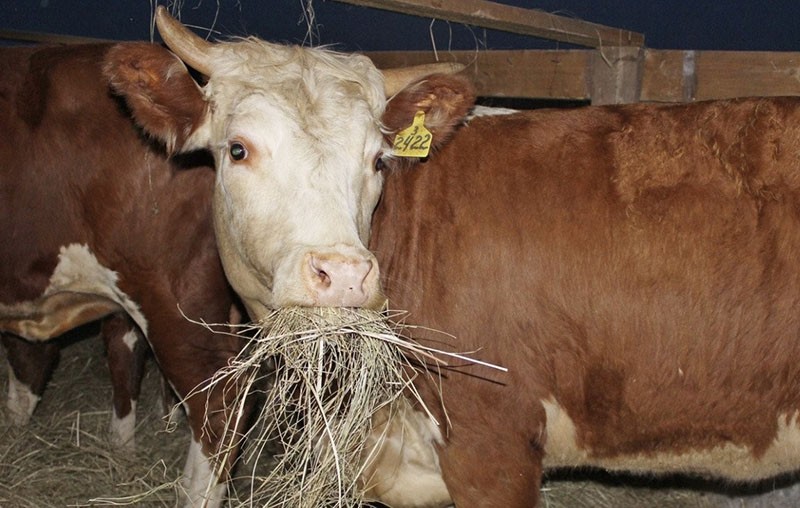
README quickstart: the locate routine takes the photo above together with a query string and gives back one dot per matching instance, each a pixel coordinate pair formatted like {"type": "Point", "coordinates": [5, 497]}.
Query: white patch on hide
{"type": "Point", "coordinates": [730, 461]}
{"type": "Point", "coordinates": [403, 464]}
{"type": "Point", "coordinates": [130, 339]}
{"type": "Point", "coordinates": [478, 111]}
{"type": "Point", "coordinates": [80, 290]}
{"type": "Point", "coordinates": [122, 430]}
{"type": "Point", "coordinates": [201, 488]}
{"type": "Point", "coordinates": [21, 401]}
{"type": "Point", "coordinates": [79, 271]}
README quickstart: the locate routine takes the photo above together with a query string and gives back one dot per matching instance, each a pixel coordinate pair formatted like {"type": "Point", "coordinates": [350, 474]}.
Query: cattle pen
{"type": "Point", "coordinates": [63, 457]}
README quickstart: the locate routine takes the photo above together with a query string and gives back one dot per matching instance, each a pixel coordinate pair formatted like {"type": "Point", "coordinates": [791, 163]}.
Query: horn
{"type": "Point", "coordinates": [190, 48]}
{"type": "Point", "coordinates": [395, 80]}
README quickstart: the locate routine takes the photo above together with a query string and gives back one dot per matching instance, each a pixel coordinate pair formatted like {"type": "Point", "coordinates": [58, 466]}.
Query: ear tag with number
{"type": "Point", "coordinates": [413, 141]}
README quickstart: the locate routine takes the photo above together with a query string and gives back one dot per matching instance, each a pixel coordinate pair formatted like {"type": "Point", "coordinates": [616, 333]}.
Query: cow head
{"type": "Point", "coordinates": [297, 138]}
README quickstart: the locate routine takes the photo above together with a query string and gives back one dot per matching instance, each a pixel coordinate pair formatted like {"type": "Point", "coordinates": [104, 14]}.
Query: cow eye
{"type": "Point", "coordinates": [379, 164]}
{"type": "Point", "coordinates": [238, 151]}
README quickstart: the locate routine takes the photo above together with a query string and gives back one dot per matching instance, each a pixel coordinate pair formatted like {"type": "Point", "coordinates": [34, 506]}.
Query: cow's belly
{"type": "Point", "coordinates": [80, 290]}
{"type": "Point", "coordinates": [726, 460]}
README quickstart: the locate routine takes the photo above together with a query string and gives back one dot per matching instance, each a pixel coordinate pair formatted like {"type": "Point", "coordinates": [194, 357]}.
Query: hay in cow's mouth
{"type": "Point", "coordinates": [321, 374]}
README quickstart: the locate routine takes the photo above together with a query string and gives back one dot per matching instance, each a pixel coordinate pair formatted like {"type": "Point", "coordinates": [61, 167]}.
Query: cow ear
{"type": "Point", "coordinates": [162, 96]}
{"type": "Point", "coordinates": [444, 98]}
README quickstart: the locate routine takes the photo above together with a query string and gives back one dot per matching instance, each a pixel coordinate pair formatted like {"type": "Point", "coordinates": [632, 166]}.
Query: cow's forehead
{"type": "Point", "coordinates": [303, 83]}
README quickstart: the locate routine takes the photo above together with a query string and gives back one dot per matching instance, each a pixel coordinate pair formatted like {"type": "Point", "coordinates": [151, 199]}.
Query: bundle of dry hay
{"type": "Point", "coordinates": [323, 373]}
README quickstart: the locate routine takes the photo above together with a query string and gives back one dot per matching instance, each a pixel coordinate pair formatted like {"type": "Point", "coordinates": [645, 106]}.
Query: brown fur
{"type": "Point", "coordinates": [126, 366]}
{"type": "Point", "coordinates": [161, 95]}
{"type": "Point", "coordinates": [75, 169]}
{"type": "Point", "coordinates": [638, 264]}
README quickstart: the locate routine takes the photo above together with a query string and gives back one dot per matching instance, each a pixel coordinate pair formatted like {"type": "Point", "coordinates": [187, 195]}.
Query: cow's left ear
{"type": "Point", "coordinates": [444, 98]}
{"type": "Point", "coordinates": [163, 97]}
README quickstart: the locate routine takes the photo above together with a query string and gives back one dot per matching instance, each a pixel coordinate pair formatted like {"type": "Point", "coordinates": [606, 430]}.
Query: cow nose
{"type": "Point", "coordinates": [340, 281]}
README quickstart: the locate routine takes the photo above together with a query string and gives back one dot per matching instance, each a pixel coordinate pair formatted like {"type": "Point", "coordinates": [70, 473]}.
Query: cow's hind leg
{"type": "Point", "coordinates": [30, 365]}
{"type": "Point", "coordinates": [127, 351]}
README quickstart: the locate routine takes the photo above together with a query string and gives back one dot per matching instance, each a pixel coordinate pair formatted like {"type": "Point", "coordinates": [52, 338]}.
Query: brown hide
{"type": "Point", "coordinates": [75, 170]}
{"type": "Point", "coordinates": [636, 264]}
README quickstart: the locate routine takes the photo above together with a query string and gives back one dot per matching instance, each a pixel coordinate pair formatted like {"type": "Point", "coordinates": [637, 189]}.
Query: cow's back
{"type": "Point", "coordinates": [35, 141]}
{"type": "Point", "coordinates": [634, 268]}
{"type": "Point", "coordinates": [76, 171]}
{"type": "Point", "coordinates": [67, 154]}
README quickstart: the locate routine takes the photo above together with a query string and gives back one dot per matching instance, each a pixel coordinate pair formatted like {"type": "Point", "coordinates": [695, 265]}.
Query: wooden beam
{"type": "Point", "coordinates": [518, 73]}
{"type": "Point", "coordinates": [616, 75]}
{"type": "Point", "coordinates": [662, 75]}
{"type": "Point", "coordinates": [684, 76]}
{"type": "Point", "coordinates": [38, 37]}
{"type": "Point", "coordinates": [508, 18]}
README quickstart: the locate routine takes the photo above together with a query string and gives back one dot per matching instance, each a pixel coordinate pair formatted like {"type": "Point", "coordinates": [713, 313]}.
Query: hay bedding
{"type": "Point", "coordinates": [62, 458]}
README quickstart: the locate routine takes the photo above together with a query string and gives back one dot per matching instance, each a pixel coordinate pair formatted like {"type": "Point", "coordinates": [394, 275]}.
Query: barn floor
{"type": "Point", "coordinates": [62, 458]}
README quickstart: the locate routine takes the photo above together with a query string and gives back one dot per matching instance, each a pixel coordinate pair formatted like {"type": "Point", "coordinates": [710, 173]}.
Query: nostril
{"type": "Point", "coordinates": [324, 278]}
{"type": "Point", "coordinates": [367, 271]}
{"type": "Point", "coordinates": [317, 268]}
{"type": "Point", "coordinates": [339, 280]}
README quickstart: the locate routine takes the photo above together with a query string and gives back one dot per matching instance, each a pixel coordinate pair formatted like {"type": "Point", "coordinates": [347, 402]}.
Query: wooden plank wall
{"type": "Point", "coordinates": [619, 68]}
{"type": "Point", "coordinates": [650, 75]}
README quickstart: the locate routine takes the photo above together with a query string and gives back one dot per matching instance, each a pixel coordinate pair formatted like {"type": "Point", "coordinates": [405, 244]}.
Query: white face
{"type": "Point", "coordinates": [296, 187]}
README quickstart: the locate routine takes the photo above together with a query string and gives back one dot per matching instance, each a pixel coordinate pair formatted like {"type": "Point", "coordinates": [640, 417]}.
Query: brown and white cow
{"type": "Point", "coordinates": [634, 267]}
{"type": "Point", "coordinates": [96, 222]}
{"type": "Point", "coordinates": [99, 222]}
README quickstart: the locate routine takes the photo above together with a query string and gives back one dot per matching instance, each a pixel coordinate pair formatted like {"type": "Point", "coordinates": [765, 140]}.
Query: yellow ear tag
{"type": "Point", "coordinates": [413, 141]}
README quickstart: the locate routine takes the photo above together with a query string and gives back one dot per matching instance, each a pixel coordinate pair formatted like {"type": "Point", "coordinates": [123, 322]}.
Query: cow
{"type": "Point", "coordinates": [132, 194]}
{"type": "Point", "coordinates": [635, 269]}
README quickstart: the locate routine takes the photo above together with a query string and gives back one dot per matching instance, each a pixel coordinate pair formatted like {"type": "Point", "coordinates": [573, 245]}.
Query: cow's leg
{"type": "Point", "coordinates": [127, 351]}
{"type": "Point", "coordinates": [189, 363]}
{"type": "Point", "coordinates": [491, 460]}
{"type": "Point", "coordinates": [514, 482]}
{"type": "Point", "coordinates": [214, 447]}
{"type": "Point", "coordinates": [170, 404]}
{"type": "Point", "coordinates": [201, 478]}
{"type": "Point", "coordinates": [30, 365]}
{"type": "Point", "coordinates": [403, 468]}
{"type": "Point", "coordinates": [205, 479]}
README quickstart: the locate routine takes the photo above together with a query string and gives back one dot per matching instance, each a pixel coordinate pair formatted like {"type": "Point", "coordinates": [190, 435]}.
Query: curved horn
{"type": "Point", "coordinates": [395, 80]}
{"type": "Point", "coordinates": [189, 47]}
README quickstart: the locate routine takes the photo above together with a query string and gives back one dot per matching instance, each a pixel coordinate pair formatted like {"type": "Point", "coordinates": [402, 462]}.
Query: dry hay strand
{"type": "Point", "coordinates": [322, 373]}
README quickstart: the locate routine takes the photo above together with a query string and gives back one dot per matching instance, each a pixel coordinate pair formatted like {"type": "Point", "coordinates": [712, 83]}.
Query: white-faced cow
{"type": "Point", "coordinates": [97, 221]}
{"type": "Point", "coordinates": [634, 267]}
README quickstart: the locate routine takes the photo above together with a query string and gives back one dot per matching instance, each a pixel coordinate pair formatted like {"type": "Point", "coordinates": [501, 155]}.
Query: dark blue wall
{"type": "Point", "coordinates": [667, 24]}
